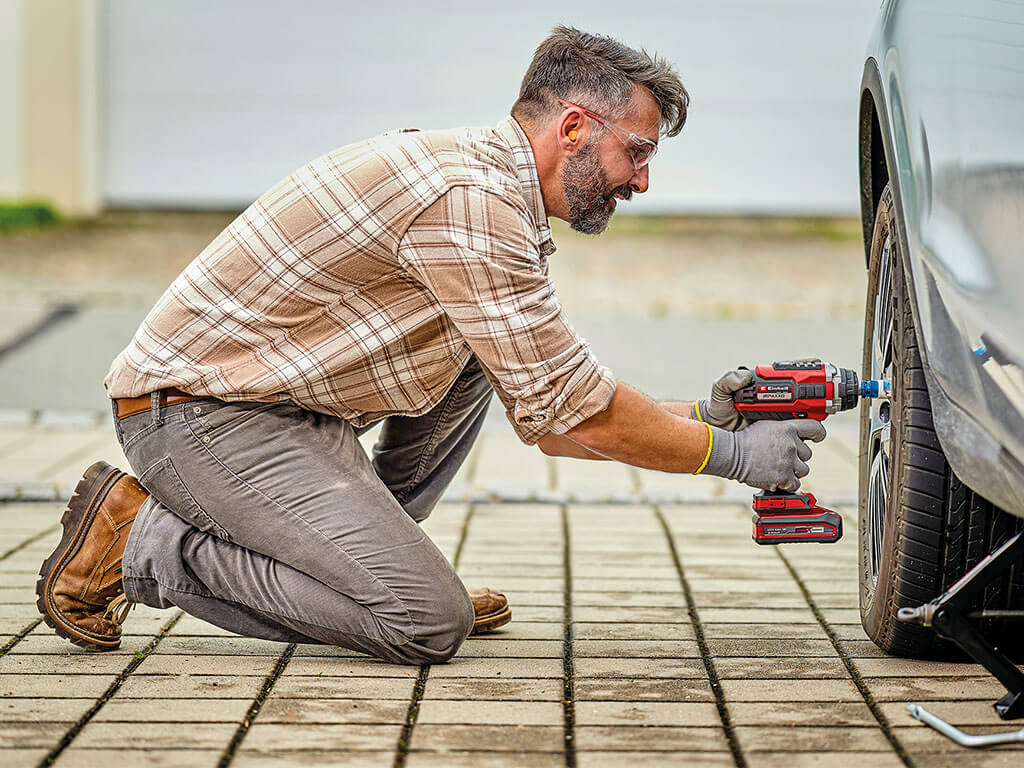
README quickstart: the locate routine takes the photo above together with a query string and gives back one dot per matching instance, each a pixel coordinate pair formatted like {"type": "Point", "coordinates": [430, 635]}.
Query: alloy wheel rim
{"type": "Point", "coordinates": [879, 439]}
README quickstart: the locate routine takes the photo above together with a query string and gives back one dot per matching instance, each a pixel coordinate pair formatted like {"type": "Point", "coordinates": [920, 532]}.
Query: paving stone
{"type": "Point", "coordinates": [22, 758]}
{"type": "Point", "coordinates": [519, 600]}
{"type": "Point", "coordinates": [167, 663]}
{"type": "Point", "coordinates": [651, 649]}
{"type": "Point", "coordinates": [895, 667]}
{"type": "Point", "coordinates": [801, 713]}
{"type": "Point", "coordinates": [513, 668]}
{"type": "Point", "coordinates": [830, 759]}
{"type": "Point", "coordinates": [655, 689]}
{"type": "Point", "coordinates": [75, 757]}
{"type": "Point", "coordinates": [492, 646]}
{"type": "Point", "coordinates": [32, 734]}
{"type": "Point", "coordinates": [51, 664]}
{"type": "Point", "coordinates": [185, 686]}
{"type": "Point", "coordinates": [304, 758]}
{"type": "Point", "coordinates": [491, 738]}
{"type": "Point", "coordinates": [362, 666]}
{"type": "Point", "coordinates": [608, 759]}
{"type": "Point", "coordinates": [314, 687]}
{"type": "Point", "coordinates": [583, 630]}
{"type": "Point", "coordinates": [627, 599]}
{"type": "Point", "coordinates": [49, 643]}
{"type": "Point", "coordinates": [492, 689]}
{"type": "Point", "coordinates": [421, 759]}
{"type": "Point", "coordinates": [926, 740]}
{"type": "Point", "coordinates": [783, 666]}
{"type": "Point", "coordinates": [204, 710]}
{"type": "Point", "coordinates": [786, 616]}
{"type": "Point", "coordinates": [762, 647]}
{"type": "Point", "coordinates": [673, 615]}
{"type": "Point", "coordinates": [597, 584]}
{"type": "Point", "coordinates": [862, 649]}
{"type": "Point", "coordinates": [762, 631]}
{"type": "Point", "coordinates": [55, 686]}
{"type": "Point", "coordinates": [688, 713]}
{"type": "Point", "coordinates": [219, 646]}
{"type": "Point", "coordinates": [263, 737]}
{"type": "Point", "coordinates": [551, 613]}
{"type": "Point", "coordinates": [912, 689]}
{"type": "Point", "coordinates": [468, 712]}
{"type": "Point", "coordinates": [654, 738]}
{"type": "Point", "coordinates": [811, 738]}
{"type": "Point", "coordinates": [790, 690]}
{"type": "Point", "coordinates": [531, 630]}
{"type": "Point", "coordinates": [995, 757]}
{"type": "Point", "coordinates": [289, 710]}
{"type": "Point", "coordinates": [959, 713]}
{"type": "Point", "coordinates": [23, 710]}
{"type": "Point", "coordinates": [171, 735]}
{"type": "Point", "coordinates": [638, 668]}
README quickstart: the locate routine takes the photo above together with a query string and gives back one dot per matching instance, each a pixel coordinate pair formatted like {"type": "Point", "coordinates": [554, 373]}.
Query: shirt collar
{"type": "Point", "coordinates": [529, 182]}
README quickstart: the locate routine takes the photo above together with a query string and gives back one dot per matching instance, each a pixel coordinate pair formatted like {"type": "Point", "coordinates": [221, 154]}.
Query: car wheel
{"type": "Point", "coordinates": [920, 528]}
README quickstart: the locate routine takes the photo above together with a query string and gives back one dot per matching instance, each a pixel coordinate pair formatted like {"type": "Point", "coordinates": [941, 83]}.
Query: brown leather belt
{"type": "Point", "coordinates": [127, 406]}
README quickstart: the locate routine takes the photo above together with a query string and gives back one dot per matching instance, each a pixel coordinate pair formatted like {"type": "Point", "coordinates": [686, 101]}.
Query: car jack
{"type": "Point", "coordinates": [946, 615]}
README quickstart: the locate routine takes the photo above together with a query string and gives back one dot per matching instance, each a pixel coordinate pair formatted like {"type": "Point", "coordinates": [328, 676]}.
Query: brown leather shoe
{"type": "Point", "coordinates": [81, 595]}
{"type": "Point", "coordinates": [491, 609]}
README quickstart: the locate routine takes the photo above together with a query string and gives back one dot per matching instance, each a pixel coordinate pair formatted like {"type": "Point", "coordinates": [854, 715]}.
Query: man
{"type": "Point", "coordinates": [400, 279]}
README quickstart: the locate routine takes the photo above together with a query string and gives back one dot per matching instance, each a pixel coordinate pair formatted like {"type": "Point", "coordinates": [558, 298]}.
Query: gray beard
{"type": "Point", "coordinates": [584, 182]}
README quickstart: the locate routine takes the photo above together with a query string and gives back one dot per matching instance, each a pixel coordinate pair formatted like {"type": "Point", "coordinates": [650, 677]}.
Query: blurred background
{"type": "Point", "coordinates": [131, 133]}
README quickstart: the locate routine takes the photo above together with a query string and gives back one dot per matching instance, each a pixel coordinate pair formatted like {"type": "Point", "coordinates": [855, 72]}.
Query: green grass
{"type": "Point", "coordinates": [21, 216]}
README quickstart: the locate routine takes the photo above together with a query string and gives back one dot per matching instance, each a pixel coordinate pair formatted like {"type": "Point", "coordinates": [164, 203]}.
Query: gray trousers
{"type": "Point", "coordinates": [271, 521]}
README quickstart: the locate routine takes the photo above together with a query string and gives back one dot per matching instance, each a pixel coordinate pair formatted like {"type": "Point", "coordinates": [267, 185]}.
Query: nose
{"type": "Point", "coordinates": [640, 180]}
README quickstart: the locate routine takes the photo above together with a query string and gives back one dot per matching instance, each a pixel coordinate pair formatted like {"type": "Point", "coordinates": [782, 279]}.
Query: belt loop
{"type": "Point", "coordinates": [154, 407]}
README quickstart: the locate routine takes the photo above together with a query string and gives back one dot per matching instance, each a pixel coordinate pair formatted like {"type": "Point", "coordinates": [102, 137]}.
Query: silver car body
{"type": "Point", "coordinates": [942, 117]}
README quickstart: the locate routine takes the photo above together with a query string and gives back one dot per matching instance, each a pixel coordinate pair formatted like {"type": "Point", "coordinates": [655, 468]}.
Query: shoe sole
{"type": "Point", "coordinates": [492, 621]}
{"type": "Point", "coordinates": [78, 516]}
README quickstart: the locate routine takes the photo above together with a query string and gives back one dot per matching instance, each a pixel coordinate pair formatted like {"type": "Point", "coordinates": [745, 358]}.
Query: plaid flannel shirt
{"type": "Point", "coordinates": [361, 285]}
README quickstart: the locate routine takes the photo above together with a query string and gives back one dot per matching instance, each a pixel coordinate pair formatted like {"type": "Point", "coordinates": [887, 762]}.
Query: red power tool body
{"type": "Point", "coordinates": [797, 389]}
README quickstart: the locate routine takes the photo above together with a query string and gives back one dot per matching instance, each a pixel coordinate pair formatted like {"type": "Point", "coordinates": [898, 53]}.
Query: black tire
{"type": "Point", "coordinates": [921, 528]}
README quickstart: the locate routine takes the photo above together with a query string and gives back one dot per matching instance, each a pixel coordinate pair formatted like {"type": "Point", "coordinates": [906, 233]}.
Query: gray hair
{"type": "Point", "coordinates": [600, 73]}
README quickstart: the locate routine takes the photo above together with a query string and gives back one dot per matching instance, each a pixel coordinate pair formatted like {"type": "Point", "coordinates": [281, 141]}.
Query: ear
{"type": "Point", "coordinates": [571, 129]}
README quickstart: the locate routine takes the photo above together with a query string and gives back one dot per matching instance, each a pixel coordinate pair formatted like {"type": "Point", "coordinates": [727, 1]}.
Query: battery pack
{"type": "Point", "coordinates": [781, 517]}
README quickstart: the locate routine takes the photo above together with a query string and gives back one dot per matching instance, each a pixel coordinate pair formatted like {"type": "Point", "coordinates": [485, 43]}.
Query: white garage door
{"type": "Point", "coordinates": [207, 104]}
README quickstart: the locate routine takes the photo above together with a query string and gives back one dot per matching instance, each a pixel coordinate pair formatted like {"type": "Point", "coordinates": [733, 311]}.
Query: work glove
{"type": "Point", "coordinates": [720, 410]}
{"type": "Point", "coordinates": [767, 454]}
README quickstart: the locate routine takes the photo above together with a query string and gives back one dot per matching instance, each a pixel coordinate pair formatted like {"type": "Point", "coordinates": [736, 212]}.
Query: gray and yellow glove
{"type": "Point", "coordinates": [720, 410]}
{"type": "Point", "coordinates": [767, 454]}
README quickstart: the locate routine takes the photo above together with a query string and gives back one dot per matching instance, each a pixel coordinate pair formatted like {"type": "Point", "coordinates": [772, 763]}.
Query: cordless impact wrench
{"type": "Point", "coordinates": [799, 389]}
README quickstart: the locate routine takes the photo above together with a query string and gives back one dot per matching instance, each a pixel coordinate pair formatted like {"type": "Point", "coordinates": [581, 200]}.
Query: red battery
{"type": "Point", "coordinates": [781, 518]}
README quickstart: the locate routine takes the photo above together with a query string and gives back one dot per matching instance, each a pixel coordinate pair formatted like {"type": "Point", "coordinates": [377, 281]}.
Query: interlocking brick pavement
{"type": "Point", "coordinates": [647, 630]}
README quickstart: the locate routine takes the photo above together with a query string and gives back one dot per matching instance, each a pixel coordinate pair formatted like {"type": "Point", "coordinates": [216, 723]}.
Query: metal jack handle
{"type": "Point", "coordinates": [945, 614]}
{"type": "Point", "coordinates": [961, 738]}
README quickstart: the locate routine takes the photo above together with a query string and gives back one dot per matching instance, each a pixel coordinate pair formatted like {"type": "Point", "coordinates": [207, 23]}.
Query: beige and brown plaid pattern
{"type": "Point", "coordinates": [362, 284]}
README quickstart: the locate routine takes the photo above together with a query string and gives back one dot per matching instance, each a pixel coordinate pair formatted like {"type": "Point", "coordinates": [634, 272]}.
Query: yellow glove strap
{"type": "Point", "coordinates": [696, 410]}
{"type": "Point", "coordinates": [707, 456]}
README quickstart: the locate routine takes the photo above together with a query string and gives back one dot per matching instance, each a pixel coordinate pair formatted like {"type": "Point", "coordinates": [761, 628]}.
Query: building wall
{"type": "Point", "coordinates": [10, 98]}
{"type": "Point", "coordinates": [49, 57]}
{"type": "Point", "coordinates": [211, 103]}
{"type": "Point", "coordinates": [187, 103]}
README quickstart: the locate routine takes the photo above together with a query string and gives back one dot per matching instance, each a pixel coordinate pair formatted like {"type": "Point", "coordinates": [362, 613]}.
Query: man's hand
{"type": "Point", "coordinates": [767, 454]}
{"type": "Point", "coordinates": [720, 410]}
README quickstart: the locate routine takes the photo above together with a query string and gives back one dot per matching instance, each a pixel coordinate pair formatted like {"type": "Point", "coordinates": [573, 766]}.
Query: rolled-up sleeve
{"type": "Point", "coordinates": [476, 251]}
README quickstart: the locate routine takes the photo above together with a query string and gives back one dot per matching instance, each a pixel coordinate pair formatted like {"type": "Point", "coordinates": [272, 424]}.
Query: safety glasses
{"type": "Point", "coordinates": [640, 150]}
